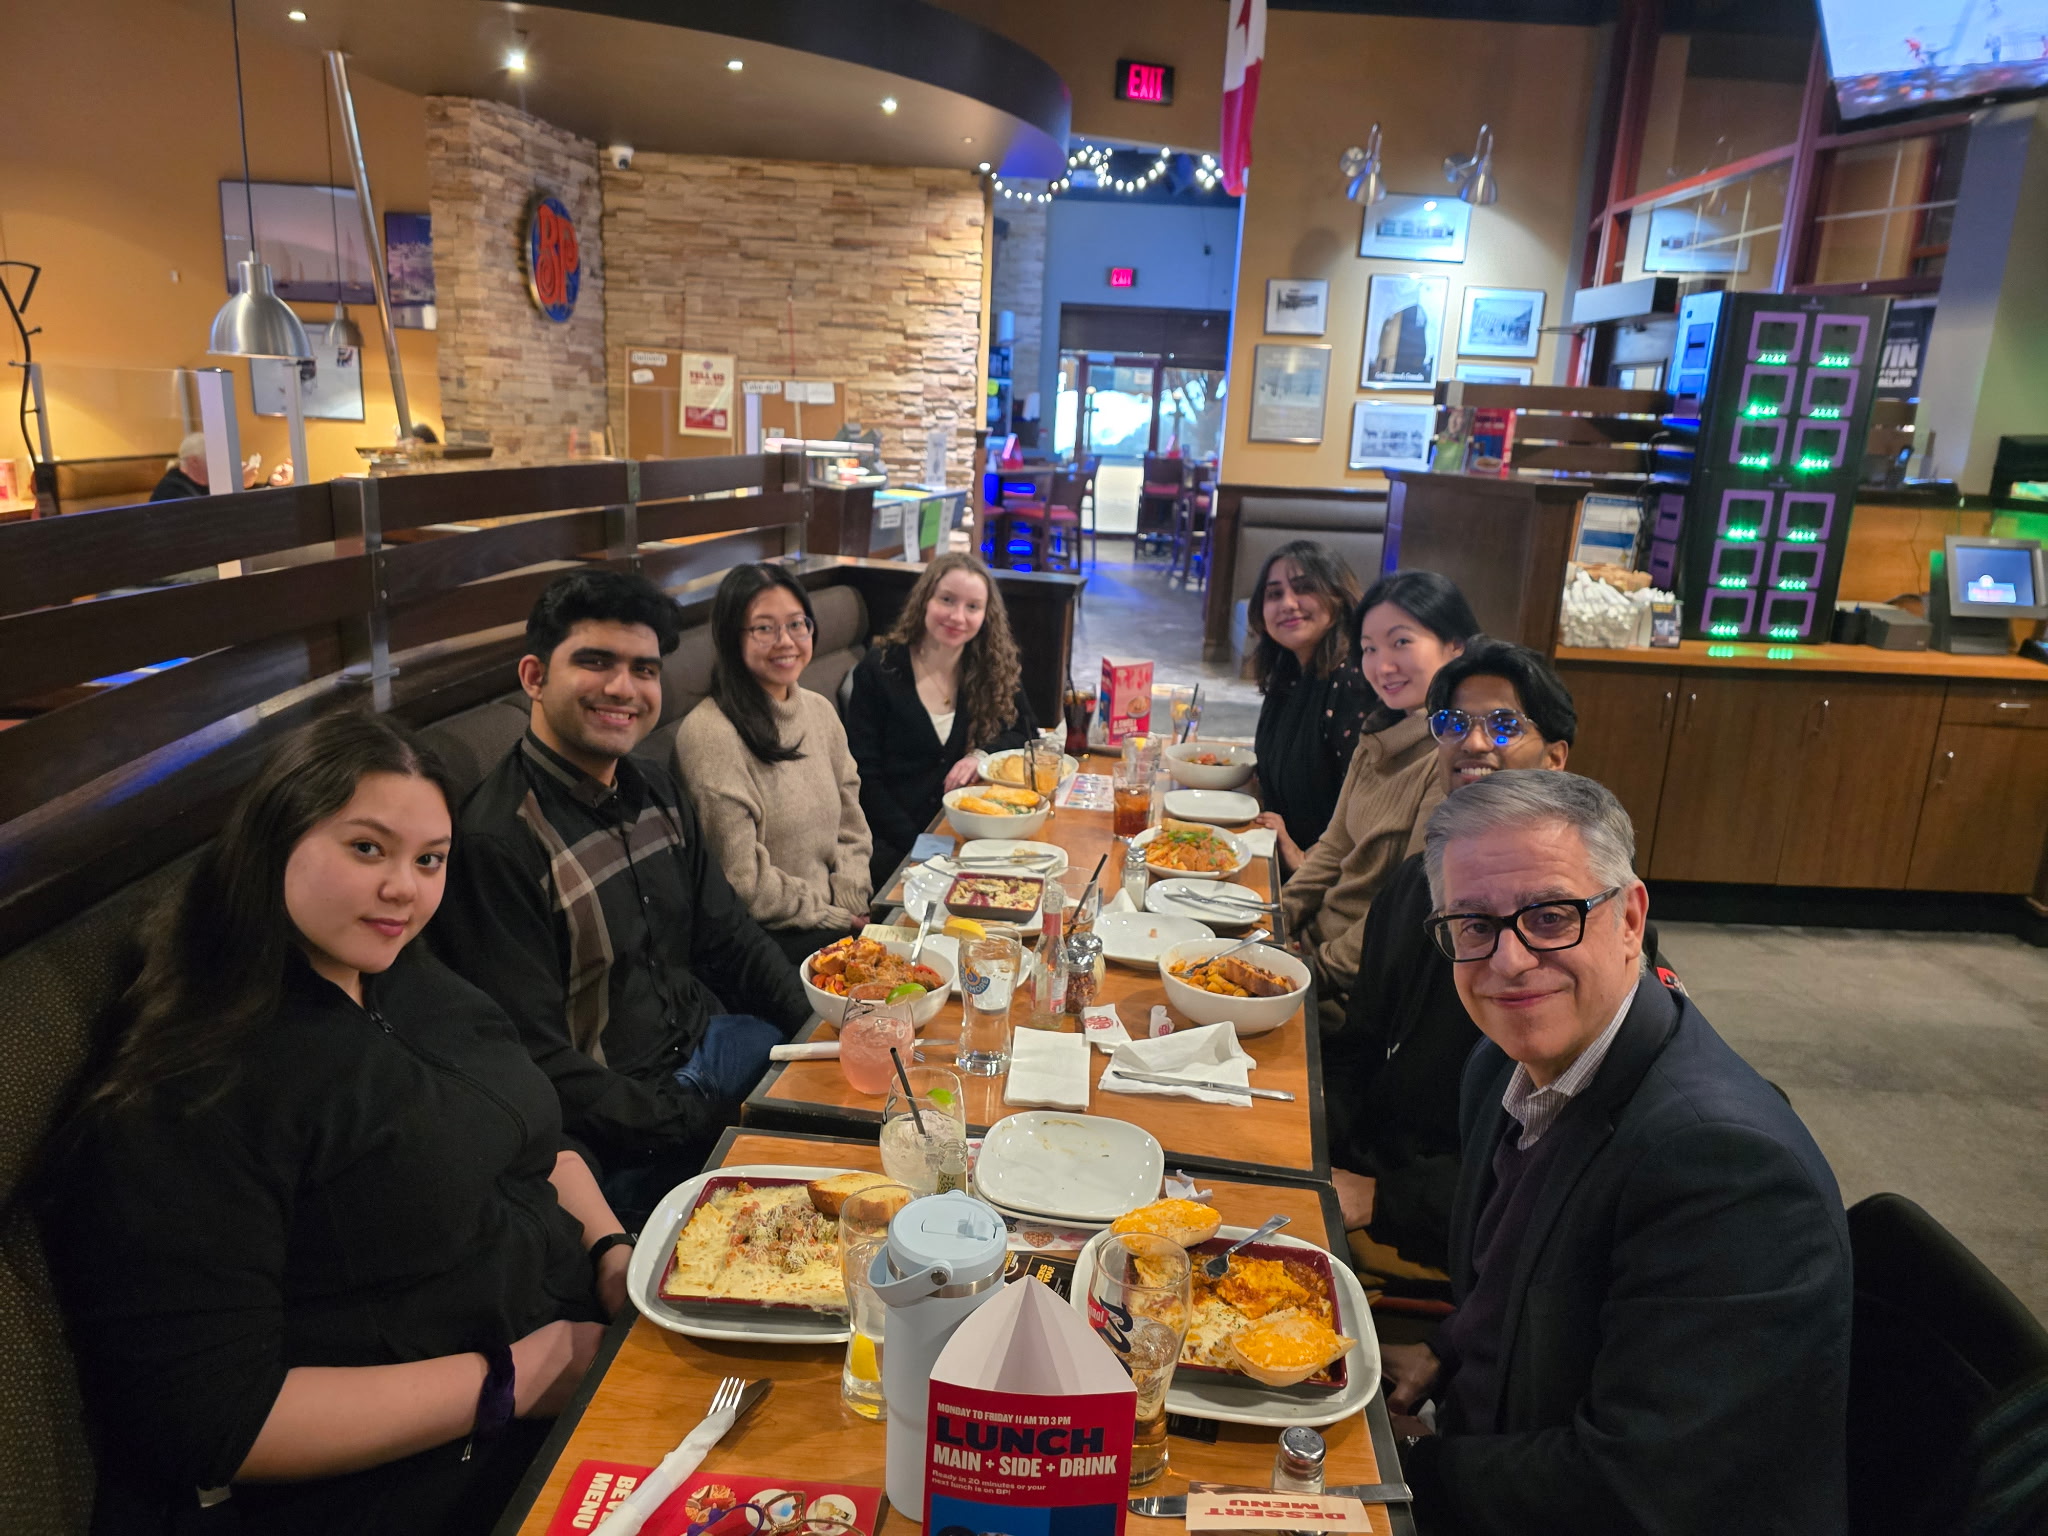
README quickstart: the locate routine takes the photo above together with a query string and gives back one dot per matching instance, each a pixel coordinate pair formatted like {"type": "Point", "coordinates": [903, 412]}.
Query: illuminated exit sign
{"type": "Point", "coordinates": [1123, 277]}
{"type": "Point", "coordinates": [1136, 81]}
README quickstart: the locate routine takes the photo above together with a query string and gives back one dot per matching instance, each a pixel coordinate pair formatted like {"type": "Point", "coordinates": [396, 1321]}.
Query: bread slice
{"type": "Point", "coordinates": [1286, 1348]}
{"type": "Point", "coordinates": [1186, 1222]}
{"type": "Point", "coordinates": [828, 1196]}
{"type": "Point", "coordinates": [1254, 979]}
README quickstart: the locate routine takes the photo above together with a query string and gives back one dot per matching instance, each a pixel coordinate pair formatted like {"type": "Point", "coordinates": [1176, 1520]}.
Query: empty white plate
{"type": "Point", "coordinates": [1217, 807]}
{"type": "Point", "coordinates": [1050, 1162]}
{"type": "Point", "coordinates": [1135, 938]}
{"type": "Point", "coordinates": [996, 848]}
{"type": "Point", "coordinates": [1182, 898]}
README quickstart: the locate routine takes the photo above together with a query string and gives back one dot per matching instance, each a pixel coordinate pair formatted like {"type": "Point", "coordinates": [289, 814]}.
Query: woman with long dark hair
{"type": "Point", "coordinates": [1409, 625]}
{"type": "Point", "coordinates": [1301, 611]}
{"type": "Point", "coordinates": [943, 686]}
{"type": "Point", "coordinates": [766, 763]}
{"type": "Point", "coordinates": [324, 1254]}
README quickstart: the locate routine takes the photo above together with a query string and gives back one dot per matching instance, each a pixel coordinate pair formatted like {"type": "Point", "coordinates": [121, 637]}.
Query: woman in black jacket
{"type": "Point", "coordinates": [943, 684]}
{"type": "Point", "coordinates": [327, 1262]}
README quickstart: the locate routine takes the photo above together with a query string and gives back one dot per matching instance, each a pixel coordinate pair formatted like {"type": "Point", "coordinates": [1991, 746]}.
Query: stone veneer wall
{"type": "Point", "coordinates": [868, 275]}
{"type": "Point", "coordinates": [1018, 285]}
{"type": "Point", "coordinates": [511, 377]}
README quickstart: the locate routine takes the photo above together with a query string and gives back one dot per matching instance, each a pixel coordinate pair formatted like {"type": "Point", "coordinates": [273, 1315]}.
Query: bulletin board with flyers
{"type": "Point", "coordinates": [654, 410]}
{"type": "Point", "coordinates": [799, 408]}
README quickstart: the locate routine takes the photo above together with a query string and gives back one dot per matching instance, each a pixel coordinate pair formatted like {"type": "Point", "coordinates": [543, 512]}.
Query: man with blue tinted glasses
{"type": "Point", "coordinates": [1649, 1256]}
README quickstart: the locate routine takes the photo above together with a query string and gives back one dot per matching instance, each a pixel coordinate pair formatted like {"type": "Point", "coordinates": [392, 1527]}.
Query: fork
{"type": "Point", "coordinates": [1218, 1265]}
{"type": "Point", "coordinates": [679, 1463]}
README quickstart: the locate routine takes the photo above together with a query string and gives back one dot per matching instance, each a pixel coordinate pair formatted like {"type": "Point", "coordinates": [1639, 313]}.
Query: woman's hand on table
{"type": "Point", "coordinates": [1410, 1371]}
{"type": "Point", "coordinates": [966, 771]}
{"type": "Point", "coordinates": [548, 1365]}
{"type": "Point", "coordinates": [611, 1277]}
{"type": "Point", "coordinates": [1288, 849]}
{"type": "Point", "coordinates": [1354, 1197]}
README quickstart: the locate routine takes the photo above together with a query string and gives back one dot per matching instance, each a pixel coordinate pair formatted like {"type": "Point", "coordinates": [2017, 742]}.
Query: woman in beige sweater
{"type": "Point", "coordinates": [1409, 625]}
{"type": "Point", "coordinates": [766, 764]}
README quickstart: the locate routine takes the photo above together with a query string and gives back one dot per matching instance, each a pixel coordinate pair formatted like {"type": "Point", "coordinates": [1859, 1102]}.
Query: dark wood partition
{"type": "Point", "coordinates": [1504, 542]}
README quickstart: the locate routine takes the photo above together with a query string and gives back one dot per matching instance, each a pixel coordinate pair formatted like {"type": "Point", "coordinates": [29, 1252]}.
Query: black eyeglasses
{"type": "Point", "coordinates": [1541, 926]}
{"type": "Point", "coordinates": [1501, 726]}
{"type": "Point", "coordinates": [765, 634]}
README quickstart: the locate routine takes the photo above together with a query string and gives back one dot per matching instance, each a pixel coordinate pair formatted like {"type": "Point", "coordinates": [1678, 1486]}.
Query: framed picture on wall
{"type": "Point", "coordinates": [1501, 322]}
{"type": "Point", "coordinates": [330, 383]}
{"type": "Point", "coordinates": [1297, 306]}
{"type": "Point", "coordinates": [1404, 329]}
{"type": "Point", "coordinates": [409, 269]}
{"type": "Point", "coordinates": [307, 233]}
{"type": "Point", "coordinates": [1496, 373]}
{"type": "Point", "coordinates": [1416, 228]}
{"type": "Point", "coordinates": [1290, 387]}
{"type": "Point", "coordinates": [1686, 238]}
{"type": "Point", "coordinates": [1391, 434]}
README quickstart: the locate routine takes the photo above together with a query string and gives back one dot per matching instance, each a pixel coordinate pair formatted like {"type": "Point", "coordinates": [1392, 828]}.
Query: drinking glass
{"type": "Point", "coordinates": [933, 1159]}
{"type": "Point", "coordinates": [865, 1038]}
{"type": "Point", "coordinates": [1075, 882]}
{"type": "Point", "coordinates": [863, 1232]}
{"type": "Point", "coordinates": [1132, 787]}
{"type": "Point", "coordinates": [989, 967]}
{"type": "Point", "coordinates": [1140, 1302]}
{"type": "Point", "coordinates": [1181, 703]}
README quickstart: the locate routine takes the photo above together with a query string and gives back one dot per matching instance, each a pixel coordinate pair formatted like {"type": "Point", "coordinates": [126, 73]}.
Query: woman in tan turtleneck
{"type": "Point", "coordinates": [766, 764]}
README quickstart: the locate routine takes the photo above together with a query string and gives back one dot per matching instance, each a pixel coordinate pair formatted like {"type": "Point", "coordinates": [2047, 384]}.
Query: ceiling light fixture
{"type": "Point", "coordinates": [983, 167]}
{"type": "Point", "coordinates": [1367, 185]}
{"type": "Point", "coordinates": [889, 104]}
{"type": "Point", "coordinates": [515, 56]}
{"type": "Point", "coordinates": [341, 330]}
{"type": "Point", "coordinates": [295, 15]}
{"type": "Point", "coordinates": [1472, 174]}
{"type": "Point", "coordinates": [735, 65]}
{"type": "Point", "coordinates": [255, 322]}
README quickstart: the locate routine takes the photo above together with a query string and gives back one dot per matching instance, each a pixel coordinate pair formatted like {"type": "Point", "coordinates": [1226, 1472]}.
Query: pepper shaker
{"type": "Point", "coordinates": [1298, 1468]}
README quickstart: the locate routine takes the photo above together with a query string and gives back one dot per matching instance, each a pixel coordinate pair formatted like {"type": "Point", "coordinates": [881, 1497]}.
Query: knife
{"type": "Point", "coordinates": [1195, 1082]}
{"type": "Point", "coordinates": [1174, 1506]}
{"type": "Point", "coordinates": [676, 1467]}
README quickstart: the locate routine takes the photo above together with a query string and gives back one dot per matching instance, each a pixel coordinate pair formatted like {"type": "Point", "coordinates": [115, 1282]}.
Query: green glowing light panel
{"type": "Point", "coordinates": [1783, 419]}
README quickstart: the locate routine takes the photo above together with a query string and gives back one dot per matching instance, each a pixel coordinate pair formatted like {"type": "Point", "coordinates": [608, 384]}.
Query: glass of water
{"type": "Point", "coordinates": [863, 1232]}
{"type": "Point", "coordinates": [1140, 1301]}
{"type": "Point", "coordinates": [989, 968]}
{"type": "Point", "coordinates": [931, 1158]}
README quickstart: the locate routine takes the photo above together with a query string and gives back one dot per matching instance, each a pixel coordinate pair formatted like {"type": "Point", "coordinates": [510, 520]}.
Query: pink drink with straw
{"type": "Point", "coordinates": [864, 1043]}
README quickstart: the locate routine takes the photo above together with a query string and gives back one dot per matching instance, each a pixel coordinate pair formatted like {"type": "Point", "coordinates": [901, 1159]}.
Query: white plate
{"type": "Point", "coordinates": [1028, 1216]}
{"type": "Point", "coordinates": [1068, 766]}
{"type": "Point", "coordinates": [1230, 840]}
{"type": "Point", "coordinates": [925, 885]}
{"type": "Point", "coordinates": [1135, 938]}
{"type": "Point", "coordinates": [998, 847]}
{"type": "Point", "coordinates": [720, 1320]}
{"type": "Point", "coordinates": [1160, 894]}
{"type": "Point", "coordinates": [1241, 1400]}
{"type": "Point", "coordinates": [1217, 807]}
{"type": "Point", "coordinates": [1052, 1162]}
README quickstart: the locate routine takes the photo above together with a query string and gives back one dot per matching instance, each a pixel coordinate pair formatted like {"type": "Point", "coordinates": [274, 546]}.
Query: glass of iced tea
{"type": "Point", "coordinates": [1132, 787]}
{"type": "Point", "coordinates": [1140, 1301]}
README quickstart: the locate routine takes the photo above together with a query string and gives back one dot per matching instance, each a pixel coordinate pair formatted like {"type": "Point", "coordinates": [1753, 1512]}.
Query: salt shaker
{"type": "Point", "coordinates": [1137, 876]}
{"type": "Point", "coordinates": [1298, 1468]}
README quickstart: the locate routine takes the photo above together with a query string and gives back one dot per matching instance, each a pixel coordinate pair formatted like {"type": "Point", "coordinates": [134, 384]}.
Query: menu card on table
{"type": "Point", "coordinates": [714, 1503]}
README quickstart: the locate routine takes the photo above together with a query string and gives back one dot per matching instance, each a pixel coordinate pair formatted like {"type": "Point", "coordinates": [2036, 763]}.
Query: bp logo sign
{"type": "Point", "coordinates": [554, 261]}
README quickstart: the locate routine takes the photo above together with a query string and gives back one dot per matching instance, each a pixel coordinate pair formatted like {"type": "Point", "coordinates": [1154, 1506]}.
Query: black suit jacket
{"type": "Point", "coordinates": [1676, 1351]}
{"type": "Point", "coordinates": [902, 762]}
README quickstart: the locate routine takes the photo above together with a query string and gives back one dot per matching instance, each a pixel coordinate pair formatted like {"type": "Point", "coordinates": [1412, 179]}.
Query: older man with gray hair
{"type": "Point", "coordinates": [1648, 1252]}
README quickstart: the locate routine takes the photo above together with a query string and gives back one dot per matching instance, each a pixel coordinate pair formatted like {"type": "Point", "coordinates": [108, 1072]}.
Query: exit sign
{"type": "Point", "coordinates": [1137, 81]}
{"type": "Point", "coordinates": [1123, 277]}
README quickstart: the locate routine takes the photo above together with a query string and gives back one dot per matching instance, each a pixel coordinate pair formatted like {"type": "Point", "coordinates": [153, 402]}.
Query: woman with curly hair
{"type": "Point", "coordinates": [942, 685]}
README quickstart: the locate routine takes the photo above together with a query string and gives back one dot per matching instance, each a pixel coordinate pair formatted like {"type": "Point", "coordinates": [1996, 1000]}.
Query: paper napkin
{"type": "Point", "coordinates": [1103, 1028]}
{"type": "Point", "coordinates": [1047, 1069]}
{"type": "Point", "coordinates": [1210, 1053]}
{"type": "Point", "coordinates": [1120, 902]}
{"type": "Point", "coordinates": [1258, 841]}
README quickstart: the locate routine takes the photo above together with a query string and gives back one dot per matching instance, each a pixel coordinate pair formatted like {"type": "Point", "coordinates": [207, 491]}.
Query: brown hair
{"type": "Point", "coordinates": [1324, 573]}
{"type": "Point", "coordinates": [989, 669]}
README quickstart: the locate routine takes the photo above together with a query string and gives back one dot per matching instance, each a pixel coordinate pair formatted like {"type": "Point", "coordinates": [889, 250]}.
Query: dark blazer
{"type": "Point", "coordinates": [902, 762]}
{"type": "Point", "coordinates": [1676, 1352]}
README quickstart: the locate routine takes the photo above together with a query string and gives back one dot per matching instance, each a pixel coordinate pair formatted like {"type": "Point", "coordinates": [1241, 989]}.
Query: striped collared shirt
{"type": "Point", "coordinates": [1538, 1108]}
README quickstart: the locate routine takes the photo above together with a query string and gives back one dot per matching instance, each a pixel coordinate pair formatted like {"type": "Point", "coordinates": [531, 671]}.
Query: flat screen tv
{"type": "Point", "coordinates": [1893, 58]}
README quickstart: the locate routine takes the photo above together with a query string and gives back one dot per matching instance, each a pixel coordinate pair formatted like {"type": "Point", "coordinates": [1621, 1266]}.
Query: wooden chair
{"type": "Point", "coordinates": [1053, 525]}
{"type": "Point", "coordinates": [1191, 518]}
{"type": "Point", "coordinates": [1165, 478]}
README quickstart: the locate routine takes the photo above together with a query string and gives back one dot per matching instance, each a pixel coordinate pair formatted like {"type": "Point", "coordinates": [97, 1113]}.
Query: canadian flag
{"type": "Point", "coordinates": [1242, 54]}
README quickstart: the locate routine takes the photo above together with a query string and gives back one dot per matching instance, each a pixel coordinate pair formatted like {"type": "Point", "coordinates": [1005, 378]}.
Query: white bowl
{"type": "Point", "coordinates": [831, 1007]}
{"type": "Point", "coordinates": [972, 824]}
{"type": "Point", "coordinates": [1200, 775]}
{"type": "Point", "coordinates": [1229, 840]}
{"type": "Point", "coordinates": [1251, 1015]}
{"type": "Point", "coordinates": [1069, 766]}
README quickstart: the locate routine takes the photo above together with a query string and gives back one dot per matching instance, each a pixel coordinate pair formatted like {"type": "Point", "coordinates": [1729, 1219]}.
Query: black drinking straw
{"type": "Point", "coordinates": [903, 1077]}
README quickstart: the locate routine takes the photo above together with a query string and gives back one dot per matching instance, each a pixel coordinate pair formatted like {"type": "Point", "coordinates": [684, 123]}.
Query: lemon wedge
{"type": "Point", "coordinates": [863, 1360]}
{"type": "Point", "coordinates": [964, 928]}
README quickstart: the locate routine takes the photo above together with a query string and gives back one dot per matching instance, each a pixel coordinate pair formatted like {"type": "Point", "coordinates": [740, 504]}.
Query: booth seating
{"type": "Point", "coordinates": [80, 485]}
{"type": "Point", "coordinates": [1247, 523]}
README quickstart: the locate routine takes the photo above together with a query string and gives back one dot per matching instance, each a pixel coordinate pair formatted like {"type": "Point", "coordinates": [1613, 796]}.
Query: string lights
{"type": "Point", "coordinates": [1097, 163]}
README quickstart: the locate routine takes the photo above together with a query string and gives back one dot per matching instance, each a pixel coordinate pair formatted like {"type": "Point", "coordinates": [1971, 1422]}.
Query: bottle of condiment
{"type": "Point", "coordinates": [1137, 876]}
{"type": "Point", "coordinates": [1082, 963]}
{"type": "Point", "coordinates": [1298, 1468]}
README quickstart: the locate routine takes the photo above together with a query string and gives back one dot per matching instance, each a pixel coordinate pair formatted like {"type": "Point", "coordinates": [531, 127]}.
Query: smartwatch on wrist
{"type": "Point", "coordinates": [610, 1241]}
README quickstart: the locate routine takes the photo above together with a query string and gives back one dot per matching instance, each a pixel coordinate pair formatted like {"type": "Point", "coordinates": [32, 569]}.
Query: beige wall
{"type": "Point", "coordinates": [119, 124]}
{"type": "Point", "coordinates": [867, 275]}
{"type": "Point", "coordinates": [1429, 84]}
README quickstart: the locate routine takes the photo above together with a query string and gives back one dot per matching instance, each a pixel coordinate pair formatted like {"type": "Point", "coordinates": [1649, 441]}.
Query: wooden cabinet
{"type": "Point", "coordinates": [1623, 737]}
{"type": "Point", "coordinates": [1735, 747]}
{"type": "Point", "coordinates": [1861, 773]}
{"type": "Point", "coordinates": [1985, 817]}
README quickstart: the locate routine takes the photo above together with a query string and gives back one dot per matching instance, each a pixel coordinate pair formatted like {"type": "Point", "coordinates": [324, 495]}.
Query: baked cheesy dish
{"type": "Point", "coordinates": [1252, 1293]}
{"type": "Point", "coordinates": [764, 1244]}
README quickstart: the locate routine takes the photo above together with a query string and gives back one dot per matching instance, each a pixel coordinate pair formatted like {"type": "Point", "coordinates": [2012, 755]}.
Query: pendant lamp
{"type": "Point", "coordinates": [255, 322]}
{"type": "Point", "coordinates": [341, 330]}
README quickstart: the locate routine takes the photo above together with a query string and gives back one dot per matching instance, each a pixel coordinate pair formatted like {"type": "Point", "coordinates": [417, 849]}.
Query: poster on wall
{"type": "Point", "coordinates": [1496, 373]}
{"type": "Point", "coordinates": [1297, 306]}
{"type": "Point", "coordinates": [1390, 434]}
{"type": "Point", "coordinates": [1501, 322]}
{"type": "Point", "coordinates": [1904, 357]}
{"type": "Point", "coordinates": [1416, 228]}
{"type": "Point", "coordinates": [707, 395]}
{"type": "Point", "coordinates": [330, 382]}
{"type": "Point", "coordinates": [1687, 238]}
{"type": "Point", "coordinates": [1404, 329]}
{"type": "Point", "coordinates": [1290, 386]}
{"type": "Point", "coordinates": [306, 232]}
{"type": "Point", "coordinates": [409, 269]}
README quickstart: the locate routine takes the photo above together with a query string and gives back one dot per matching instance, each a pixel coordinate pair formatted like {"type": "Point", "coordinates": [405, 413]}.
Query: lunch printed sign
{"type": "Point", "coordinates": [1027, 1464]}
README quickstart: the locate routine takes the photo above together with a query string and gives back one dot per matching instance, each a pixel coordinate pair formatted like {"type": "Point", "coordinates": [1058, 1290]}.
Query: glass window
{"type": "Point", "coordinates": [1723, 236]}
{"type": "Point", "coordinates": [1886, 209]}
{"type": "Point", "coordinates": [1719, 98]}
{"type": "Point", "coordinates": [1191, 412]}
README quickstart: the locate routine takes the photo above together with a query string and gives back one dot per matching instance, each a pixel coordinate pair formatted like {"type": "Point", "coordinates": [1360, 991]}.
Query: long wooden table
{"type": "Point", "coordinates": [1271, 1138]}
{"type": "Point", "coordinates": [649, 1387]}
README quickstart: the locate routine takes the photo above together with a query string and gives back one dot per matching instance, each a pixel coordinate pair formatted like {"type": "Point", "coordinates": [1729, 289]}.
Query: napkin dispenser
{"type": "Point", "coordinates": [945, 1256]}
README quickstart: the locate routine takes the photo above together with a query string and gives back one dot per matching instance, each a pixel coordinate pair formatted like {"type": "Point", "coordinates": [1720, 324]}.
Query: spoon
{"type": "Point", "coordinates": [1218, 1265]}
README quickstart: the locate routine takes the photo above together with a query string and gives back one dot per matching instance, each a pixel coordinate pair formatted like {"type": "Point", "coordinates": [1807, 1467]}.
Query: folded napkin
{"type": "Point", "coordinates": [676, 1467]}
{"type": "Point", "coordinates": [1120, 902]}
{"type": "Point", "coordinates": [1258, 841]}
{"type": "Point", "coordinates": [1210, 1053]}
{"type": "Point", "coordinates": [1103, 1028]}
{"type": "Point", "coordinates": [1047, 1069]}
{"type": "Point", "coordinates": [810, 1050]}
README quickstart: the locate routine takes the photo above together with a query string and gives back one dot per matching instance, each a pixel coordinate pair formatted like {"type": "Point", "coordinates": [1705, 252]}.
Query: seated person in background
{"type": "Point", "coordinates": [323, 1253]}
{"type": "Point", "coordinates": [1303, 612]}
{"type": "Point", "coordinates": [1649, 1254]}
{"type": "Point", "coordinates": [1409, 625]}
{"type": "Point", "coordinates": [187, 477]}
{"type": "Point", "coordinates": [766, 764]}
{"type": "Point", "coordinates": [1391, 1075]}
{"type": "Point", "coordinates": [943, 685]}
{"type": "Point", "coordinates": [584, 899]}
